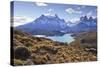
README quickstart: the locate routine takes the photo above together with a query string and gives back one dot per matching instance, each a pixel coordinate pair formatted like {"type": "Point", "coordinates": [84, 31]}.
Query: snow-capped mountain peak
{"type": "Point", "coordinates": [53, 25]}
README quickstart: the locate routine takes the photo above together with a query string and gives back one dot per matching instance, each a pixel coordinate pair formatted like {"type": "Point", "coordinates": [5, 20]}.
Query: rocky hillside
{"type": "Point", "coordinates": [37, 50]}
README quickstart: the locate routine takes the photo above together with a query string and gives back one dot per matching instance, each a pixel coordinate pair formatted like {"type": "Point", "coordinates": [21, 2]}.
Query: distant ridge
{"type": "Point", "coordinates": [53, 25]}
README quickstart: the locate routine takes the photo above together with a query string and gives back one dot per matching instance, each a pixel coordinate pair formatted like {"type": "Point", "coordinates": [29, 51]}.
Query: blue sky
{"type": "Point", "coordinates": [29, 11]}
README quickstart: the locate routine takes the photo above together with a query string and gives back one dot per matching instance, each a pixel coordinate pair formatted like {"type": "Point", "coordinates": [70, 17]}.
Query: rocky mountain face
{"type": "Point", "coordinates": [53, 25]}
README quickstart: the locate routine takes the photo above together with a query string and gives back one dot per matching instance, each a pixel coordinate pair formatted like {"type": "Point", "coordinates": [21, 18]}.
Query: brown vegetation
{"type": "Point", "coordinates": [35, 50]}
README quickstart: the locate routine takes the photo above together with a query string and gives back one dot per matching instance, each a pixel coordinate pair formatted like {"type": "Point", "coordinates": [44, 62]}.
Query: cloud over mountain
{"type": "Point", "coordinates": [71, 11]}
{"type": "Point", "coordinates": [50, 12]}
{"type": "Point", "coordinates": [41, 4]}
{"type": "Point", "coordinates": [18, 20]}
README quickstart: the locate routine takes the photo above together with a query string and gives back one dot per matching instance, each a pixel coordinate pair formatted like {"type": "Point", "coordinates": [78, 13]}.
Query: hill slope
{"type": "Point", "coordinates": [34, 50]}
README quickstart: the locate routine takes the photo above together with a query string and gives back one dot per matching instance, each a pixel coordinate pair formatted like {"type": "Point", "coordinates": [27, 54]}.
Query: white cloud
{"type": "Point", "coordinates": [50, 12]}
{"type": "Point", "coordinates": [74, 20]}
{"type": "Point", "coordinates": [21, 20]}
{"type": "Point", "coordinates": [81, 7]}
{"type": "Point", "coordinates": [47, 14]}
{"type": "Point", "coordinates": [41, 4]}
{"type": "Point", "coordinates": [89, 13]}
{"type": "Point", "coordinates": [71, 10]}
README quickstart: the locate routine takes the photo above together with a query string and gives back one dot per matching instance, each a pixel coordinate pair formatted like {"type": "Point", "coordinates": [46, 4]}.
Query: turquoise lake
{"type": "Point", "coordinates": [64, 38]}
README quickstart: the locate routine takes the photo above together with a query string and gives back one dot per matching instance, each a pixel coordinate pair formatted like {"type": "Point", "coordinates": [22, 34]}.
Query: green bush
{"type": "Point", "coordinates": [22, 53]}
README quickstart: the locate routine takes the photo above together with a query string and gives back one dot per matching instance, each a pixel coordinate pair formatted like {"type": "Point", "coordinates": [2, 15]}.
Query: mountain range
{"type": "Point", "coordinates": [53, 25]}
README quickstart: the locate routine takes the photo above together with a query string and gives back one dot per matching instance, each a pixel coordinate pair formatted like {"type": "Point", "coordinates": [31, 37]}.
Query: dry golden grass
{"type": "Point", "coordinates": [46, 51]}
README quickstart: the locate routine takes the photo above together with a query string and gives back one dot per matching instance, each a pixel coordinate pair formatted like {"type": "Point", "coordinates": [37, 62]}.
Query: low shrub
{"type": "Point", "coordinates": [22, 53]}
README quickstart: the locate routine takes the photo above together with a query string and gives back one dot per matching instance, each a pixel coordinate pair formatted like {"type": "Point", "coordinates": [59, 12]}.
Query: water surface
{"type": "Point", "coordinates": [64, 38]}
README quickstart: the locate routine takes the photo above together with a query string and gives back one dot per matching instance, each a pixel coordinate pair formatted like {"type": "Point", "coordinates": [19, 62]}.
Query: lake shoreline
{"type": "Point", "coordinates": [66, 38]}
